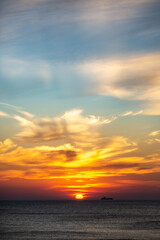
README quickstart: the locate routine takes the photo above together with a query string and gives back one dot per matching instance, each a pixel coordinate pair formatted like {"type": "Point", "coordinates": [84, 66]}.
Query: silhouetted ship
{"type": "Point", "coordinates": [106, 199]}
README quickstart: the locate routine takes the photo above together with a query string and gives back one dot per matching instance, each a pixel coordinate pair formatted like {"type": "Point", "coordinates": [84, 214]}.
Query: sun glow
{"type": "Point", "coordinates": [79, 196]}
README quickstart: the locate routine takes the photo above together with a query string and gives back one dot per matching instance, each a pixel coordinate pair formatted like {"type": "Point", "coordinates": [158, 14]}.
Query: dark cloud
{"type": "Point", "coordinates": [70, 155]}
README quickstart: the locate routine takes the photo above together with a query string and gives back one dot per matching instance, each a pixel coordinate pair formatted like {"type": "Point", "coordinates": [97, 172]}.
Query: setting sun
{"type": "Point", "coordinates": [79, 196]}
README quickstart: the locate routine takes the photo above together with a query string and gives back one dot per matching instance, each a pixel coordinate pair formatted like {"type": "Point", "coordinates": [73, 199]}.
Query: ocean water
{"type": "Point", "coordinates": [96, 220]}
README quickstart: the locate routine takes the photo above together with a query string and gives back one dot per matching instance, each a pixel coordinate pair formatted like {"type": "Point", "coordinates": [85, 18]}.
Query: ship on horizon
{"type": "Point", "coordinates": [106, 199]}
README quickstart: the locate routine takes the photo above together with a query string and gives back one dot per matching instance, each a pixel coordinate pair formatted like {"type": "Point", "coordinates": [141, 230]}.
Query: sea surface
{"type": "Point", "coordinates": [96, 220]}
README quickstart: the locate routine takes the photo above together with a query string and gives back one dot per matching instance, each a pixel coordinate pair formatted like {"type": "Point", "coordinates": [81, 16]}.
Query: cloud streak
{"type": "Point", "coordinates": [72, 170]}
{"type": "Point", "coordinates": [134, 78]}
{"type": "Point", "coordinates": [72, 126]}
{"type": "Point", "coordinates": [71, 151]}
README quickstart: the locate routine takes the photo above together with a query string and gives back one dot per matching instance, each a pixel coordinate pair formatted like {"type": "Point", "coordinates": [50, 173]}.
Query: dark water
{"type": "Point", "coordinates": [99, 220]}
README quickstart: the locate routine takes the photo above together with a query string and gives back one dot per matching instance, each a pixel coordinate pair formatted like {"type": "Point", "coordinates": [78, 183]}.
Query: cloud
{"type": "Point", "coordinates": [3, 114]}
{"type": "Point", "coordinates": [72, 125]}
{"type": "Point", "coordinates": [69, 169]}
{"type": "Point", "coordinates": [79, 29]}
{"type": "Point", "coordinates": [27, 114]}
{"type": "Point", "coordinates": [10, 106]}
{"type": "Point", "coordinates": [65, 161]}
{"type": "Point", "coordinates": [131, 113]}
{"type": "Point", "coordinates": [155, 133]}
{"type": "Point", "coordinates": [7, 145]}
{"type": "Point", "coordinates": [153, 108]}
{"type": "Point", "coordinates": [75, 154]}
{"type": "Point", "coordinates": [154, 137]}
{"type": "Point", "coordinates": [135, 78]}
{"type": "Point", "coordinates": [83, 147]}
{"type": "Point", "coordinates": [36, 159]}
{"type": "Point", "coordinates": [75, 150]}
{"type": "Point", "coordinates": [130, 78]}
{"type": "Point", "coordinates": [85, 13]}
{"type": "Point", "coordinates": [80, 130]}
{"type": "Point", "coordinates": [14, 109]}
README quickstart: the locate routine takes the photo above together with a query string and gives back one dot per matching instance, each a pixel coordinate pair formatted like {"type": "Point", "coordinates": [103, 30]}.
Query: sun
{"type": "Point", "coordinates": [79, 196]}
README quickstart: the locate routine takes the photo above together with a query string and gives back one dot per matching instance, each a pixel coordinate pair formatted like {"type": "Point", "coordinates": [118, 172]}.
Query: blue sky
{"type": "Point", "coordinates": [45, 45]}
{"type": "Point", "coordinates": [62, 36]}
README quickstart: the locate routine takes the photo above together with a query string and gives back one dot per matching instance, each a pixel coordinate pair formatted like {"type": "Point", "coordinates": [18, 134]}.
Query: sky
{"type": "Point", "coordinates": [79, 99]}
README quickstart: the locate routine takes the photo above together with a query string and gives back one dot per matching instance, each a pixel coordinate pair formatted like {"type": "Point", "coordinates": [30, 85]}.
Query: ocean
{"type": "Point", "coordinates": [96, 220]}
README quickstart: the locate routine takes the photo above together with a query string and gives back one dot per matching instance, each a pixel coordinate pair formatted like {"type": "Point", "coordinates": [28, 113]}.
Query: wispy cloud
{"type": "Point", "coordinates": [14, 109]}
{"type": "Point", "coordinates": [3, 114]}
{"type": "Point", "coordinates": [130, 78]}
{"type": "Point", "coordinates": [134, 78]}
{"type": "Point", "coordinates": [154, 137]}
{"type": "Point", "coordinates": [72, 126]}
{"type": "Point", "coordinates": [72, 170]}
{"type": "Point", "coordinates": [64, 161]}
{"type": "Point", "coordinates": [10, 106]}
{"type": "Point", "coordinates": [126, 78]}
{"type": "Point", "coordinates": [74, 154]}
{"type": "Point", "coordinates": [155, 133]}
{"type": "Point", "coordinates": [7, 145]}
{"type": "Point", "coordinates": [83, 147]}
{"type": "Point", "coordinates": [86, 14]}
{"type": "Point", "coordinates": [131, 113]}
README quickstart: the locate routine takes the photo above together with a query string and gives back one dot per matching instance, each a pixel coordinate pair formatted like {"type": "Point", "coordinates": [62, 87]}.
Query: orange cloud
{"type": "Point", "coordinates": [72, 169]}
{"type": "Point", "coordinates": [76, 155]}
{"type": "Point", "coordinates": [7, 145]}
{"type": "Point", "coordinates": [72, 125]}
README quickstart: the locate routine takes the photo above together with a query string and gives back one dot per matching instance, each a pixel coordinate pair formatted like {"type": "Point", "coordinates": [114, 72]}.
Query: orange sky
{"type": "Point", "coordinates": [80, 159]}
